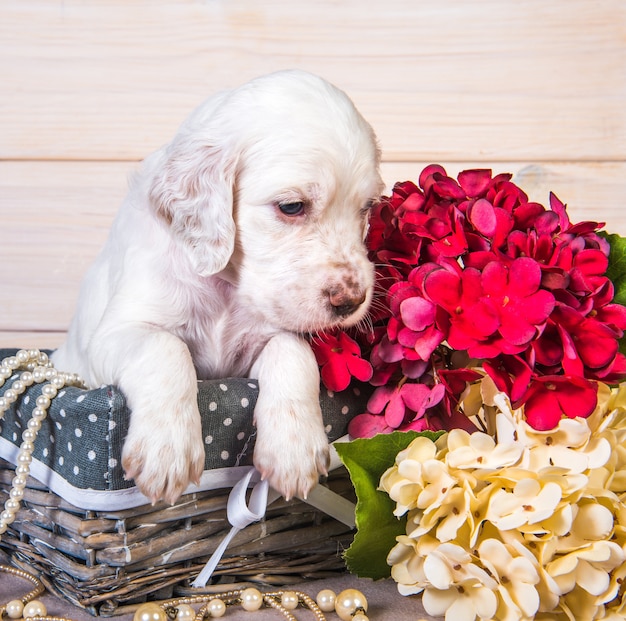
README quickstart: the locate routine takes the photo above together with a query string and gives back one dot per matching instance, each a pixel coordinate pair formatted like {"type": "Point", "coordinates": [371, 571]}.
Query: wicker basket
{"type": "Point", "coordinates": [109, 562]}
{"type": "Point", "coordinates": [97, 541]}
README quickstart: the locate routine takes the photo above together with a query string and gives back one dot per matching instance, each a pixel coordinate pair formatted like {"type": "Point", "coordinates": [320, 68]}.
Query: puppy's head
{"type": "Point", "coordinates": [269, 186]}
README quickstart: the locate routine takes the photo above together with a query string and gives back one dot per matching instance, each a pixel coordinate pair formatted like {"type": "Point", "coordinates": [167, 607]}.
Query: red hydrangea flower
{"type": "Point", "coordinates": [339, 357]}
{"type": "Point", "coordinates": [551, 397]}
{"type": "Point", "coordinates": [470, 270]}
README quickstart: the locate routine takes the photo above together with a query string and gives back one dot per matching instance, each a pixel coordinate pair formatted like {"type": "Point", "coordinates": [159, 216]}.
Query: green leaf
{"type": "Point", "coordinates": [377, 527]}
{"type": "Point", "coordinates": [616, 272]}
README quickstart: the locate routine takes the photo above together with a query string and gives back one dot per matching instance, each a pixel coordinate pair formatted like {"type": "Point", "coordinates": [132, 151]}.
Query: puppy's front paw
{"type": "Point", "coordinates": [163, 460]}
{"type": "Point", "coordinates": [291, 449]}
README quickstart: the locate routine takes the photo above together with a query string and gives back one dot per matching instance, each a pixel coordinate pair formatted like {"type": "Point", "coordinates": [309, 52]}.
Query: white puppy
{"type": "Point", "coordinates": [236, 239]}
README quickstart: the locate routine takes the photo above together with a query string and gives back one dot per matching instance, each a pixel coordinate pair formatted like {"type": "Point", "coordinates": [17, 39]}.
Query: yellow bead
{"type": "Point", "coordinates": [34, 609]}
{"type": "Point", "coordinates": [150, 612]}
{"type": "Point", "coordinates": [359, 616]}
{"type": "Point", "coordinates": [14, 609]}
{"type": "Point", "coordinates": [348, 602]}
{"type": "Point", "coordinates": [251, 599]}
{"type": "Point", "coordinates": [289, 600]}
{"type": "Point", "coordinates": [326, 600]}
{"type": "Point", "coordinates": [184, 612]}
{"type": "Point", "coordinates": [216, 608]}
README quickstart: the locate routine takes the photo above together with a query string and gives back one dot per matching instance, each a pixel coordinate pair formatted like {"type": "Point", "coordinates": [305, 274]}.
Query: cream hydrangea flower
{"type": "Point", "coordinates": [516, 576]}
{"type": "Point", "coordinates": [407, 563]}
{"type": "Point", "coordinates": [480, 450]}
{"type": "Point", "coordinates": [530, 502]}
{"type": "Point", "coordinates": [520, 525]}
{"type": "Point", "coordinates": [404, 481]}
{"type": "Point", "coordinates": [445, 517]}
{"type": "Point", "coordinates": [458, 588]}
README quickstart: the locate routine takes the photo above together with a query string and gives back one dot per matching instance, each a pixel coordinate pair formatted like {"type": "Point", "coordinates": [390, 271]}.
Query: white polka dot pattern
{"type": "Point", "coordinates": [83, 435]}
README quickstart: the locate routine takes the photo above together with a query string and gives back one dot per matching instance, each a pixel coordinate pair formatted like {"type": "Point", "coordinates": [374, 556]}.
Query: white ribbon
{"type": "Point", "coordinates": [240, 514]}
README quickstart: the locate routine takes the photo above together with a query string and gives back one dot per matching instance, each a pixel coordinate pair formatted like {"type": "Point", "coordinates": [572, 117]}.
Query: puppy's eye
{"type": "Point", "coordinates": [292, 209]}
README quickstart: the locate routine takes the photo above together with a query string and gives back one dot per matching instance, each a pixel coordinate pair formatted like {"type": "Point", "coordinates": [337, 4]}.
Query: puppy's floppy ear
{"type": "Point", "coordinates": [192, 191]}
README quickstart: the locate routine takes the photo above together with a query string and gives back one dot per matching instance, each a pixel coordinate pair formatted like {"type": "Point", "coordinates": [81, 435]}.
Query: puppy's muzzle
{"type": "Point", "coordinates": [344, 304]}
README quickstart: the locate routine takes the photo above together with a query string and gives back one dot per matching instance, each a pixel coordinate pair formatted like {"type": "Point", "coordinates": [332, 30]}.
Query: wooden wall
{"type": "Point", "coordinates": [88, 88]}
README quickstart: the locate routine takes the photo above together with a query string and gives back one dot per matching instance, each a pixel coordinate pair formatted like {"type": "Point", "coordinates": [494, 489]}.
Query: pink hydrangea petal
{"type": "Point", "coordinates": [428, 341]}
{"type": "Point", "coordinates": [475, 182]}
{"type": "Point", "coordinates": [483, 216]}
{"type": "Point", "coordinates": [572, 364]}
{"type": "Point", "coordinates": [417, 424]}
{"type": "Point", "coordinates": [335, 375]}
{"type": "Point", "coordinates": [360, 369]}
{"type": "Point", "coordinates": [595, 343]}
{"type": "Point", "coordinates": [426, 175]}
{"type": "Point", "coordinates": [415, 396]}
{"type": "Point", "coordinates": [614, 315]}
{"type": "Point", "coordinates": [413, 202]}
{"type": "Point", "coordinates": [543, 411]}
{"type": "Point", "coordinates": [367, 426]}
{"type": "Point", "coordinates": [444, 288]}
{"type": "Point", "coordinates": [395, 410]}
{"type": "Point", "coordinates": [348, 344]}
{"type": "Point", "coordinates": [494, 278]}
{"type": "Point", "coordinates": [577, 397]}
{"type": "Point", "coordinates": [559, 208]}
{"type": "Point", "coordinates": [379, 399]}
{"type": "Point", "coordinates": [515, 329]}
{"type": "Point", "coordinates": [524, 276]}
{"type": "Point", "coordinates": [417, 313]}
{"type": "Point", "coordinates": [591, 261]}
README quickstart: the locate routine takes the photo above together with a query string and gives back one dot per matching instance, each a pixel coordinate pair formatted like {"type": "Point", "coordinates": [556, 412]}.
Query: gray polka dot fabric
{"type": "Point", "coordinates": [82, 437]}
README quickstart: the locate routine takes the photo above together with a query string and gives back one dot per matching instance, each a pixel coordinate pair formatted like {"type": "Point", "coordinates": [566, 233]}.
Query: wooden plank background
{"type": "Point", "coordinates": [89, 88]}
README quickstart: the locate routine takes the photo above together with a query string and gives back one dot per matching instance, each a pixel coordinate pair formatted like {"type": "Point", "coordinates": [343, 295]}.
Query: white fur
{"type": "Point", "coordinates": [203, 276]}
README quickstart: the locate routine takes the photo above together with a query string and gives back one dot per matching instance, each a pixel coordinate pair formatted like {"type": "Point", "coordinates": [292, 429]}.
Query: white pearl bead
{"type": "Point", "coordinates": [326, 600]}
{"type": "Point", "coordinates": [24, 459]}
{"type": "Point", "coordinates": [27, 378]}
{"type": "Point", "coordinates": [17, 493]}
{"type": "Point", "coordinates": [150, 612]}
{"type": "Point", "coordinates": [289, 600]}
{"type": "Point", "coordinates": [14, 609]}
{"type": "Point", "coordinates": [58, 382]}
{"type": "Point", "coordinates": [19, 481]}
{"type": "Point", "coordinates": [184, 612]}
{"type": "Point", "coordinates": [39, 413]}
{"type": "Point", "coordinates": [18, 386]}
{"type": "Point", "coordinates": [49, 390]}
{"type": "Point", "coordinates": [28, 435]}
{"type": "Point", "coordinates": [359, 616]}
{"type": "Point", "coordinates": [348, 602]}
{"type": "Point", "coordinates": [4, 404]}
{"type": "Point", "coordinates": [34, 609]}
{"type": "Point", "coordinates": [22, 470]}
{"type": "Point", "coordinates": [11, 362]}
{"type": "Point", "coordinates": [251, 599]}
{"type": "Point", "coordinates": [42, 401]}
{"type": "Point", "coordinates": [10, 395]}
{"type": "Point", "coordinates": [27, 446]}
{"type": "Point", "coordinates": [39, 374]}
{"type": "Point", "coordinates": [216, 608]}
{"type": "Point", "coordinates": [23, 356]}
{"type": "Point", "coordinates": [5, 372]}
{"type": "Point", "coordinates": [12, 505]}
{"type": "Point", "coordinates": [34, 424]}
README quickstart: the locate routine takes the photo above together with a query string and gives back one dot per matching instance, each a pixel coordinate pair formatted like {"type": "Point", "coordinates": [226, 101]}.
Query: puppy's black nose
{"type": "Point", "coordinates": [344, 304]}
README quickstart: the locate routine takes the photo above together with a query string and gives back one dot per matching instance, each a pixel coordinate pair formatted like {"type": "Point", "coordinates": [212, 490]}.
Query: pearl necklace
{"type": "Point", "coordinates": [37, 369]}
{"type": "Point", "coordinates": [350, 605]}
